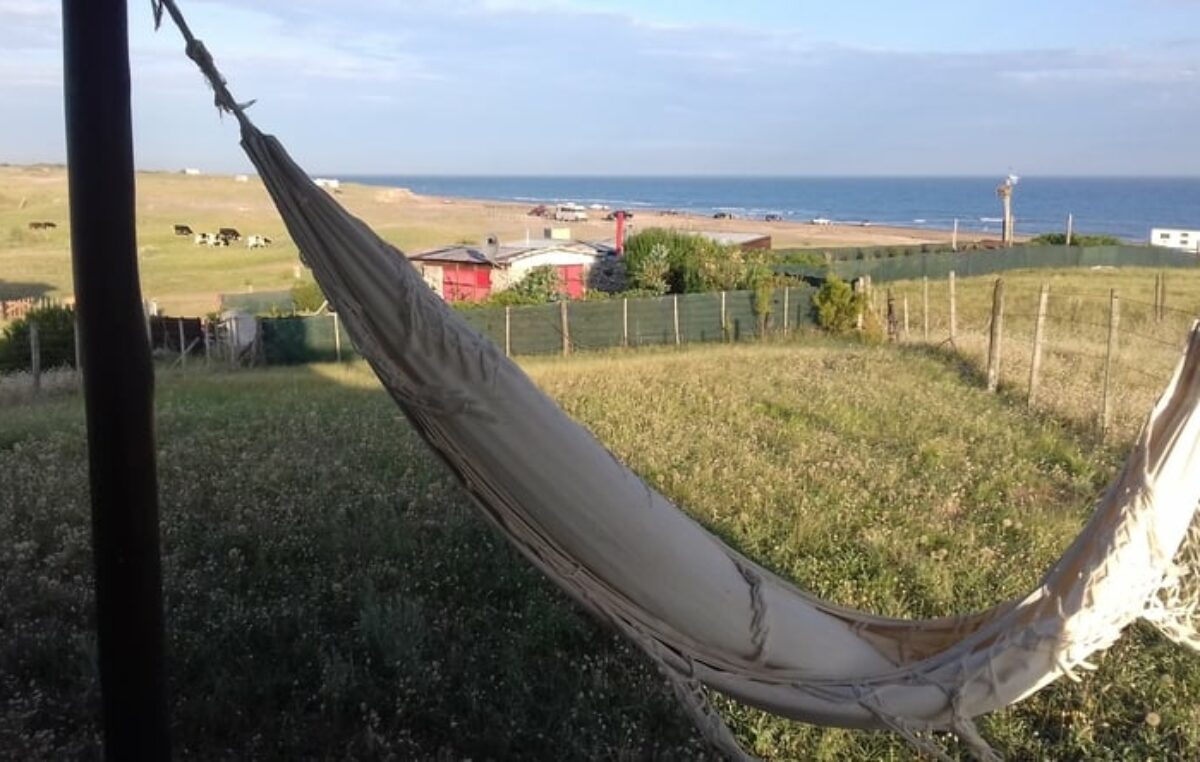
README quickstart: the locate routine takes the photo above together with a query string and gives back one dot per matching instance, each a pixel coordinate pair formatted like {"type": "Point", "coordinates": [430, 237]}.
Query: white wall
{"type": "Point", "coordinates": [1174, 238]}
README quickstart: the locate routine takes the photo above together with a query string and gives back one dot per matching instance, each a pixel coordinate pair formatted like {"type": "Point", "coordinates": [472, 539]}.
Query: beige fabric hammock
{"type": "Point", "coordinates": [704, 613]}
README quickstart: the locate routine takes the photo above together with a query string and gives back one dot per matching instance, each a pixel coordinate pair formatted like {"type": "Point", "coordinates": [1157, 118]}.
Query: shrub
{"type": "Point", "coordinates": [649, 271]}
{"type": "Point", "coordinates": [56, 339]}
{"type": "Point", "coordinates": [837, 306]}
{"type": "Point", "coordinates": [540, 285]}
{"type": "Point", "coordinates": [1060, 239]}
{"type": "Point", "coordinates": [307, 296]}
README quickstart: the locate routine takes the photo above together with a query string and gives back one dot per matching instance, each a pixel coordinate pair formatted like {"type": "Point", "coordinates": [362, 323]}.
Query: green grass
{"type": "Point", "coordinates": [331, 593]}
{"type": "Point", "coordinates": [183, 278]}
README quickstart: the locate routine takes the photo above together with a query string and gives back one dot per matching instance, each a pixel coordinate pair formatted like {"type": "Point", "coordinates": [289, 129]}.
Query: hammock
{"type": "Point", "coordinates": [706, 615]}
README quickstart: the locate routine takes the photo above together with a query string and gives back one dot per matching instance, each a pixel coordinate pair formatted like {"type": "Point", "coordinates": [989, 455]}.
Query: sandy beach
{"type": "Point", "coordinates": [512, 221]}
{"type": "Point", "coordinates": [187, 279]}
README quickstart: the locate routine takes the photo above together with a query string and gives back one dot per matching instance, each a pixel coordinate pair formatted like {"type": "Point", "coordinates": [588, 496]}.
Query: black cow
{"type": "Point", "coordinates": [183, 230]}
{"type": "Point", "coordinates": [229, 234]}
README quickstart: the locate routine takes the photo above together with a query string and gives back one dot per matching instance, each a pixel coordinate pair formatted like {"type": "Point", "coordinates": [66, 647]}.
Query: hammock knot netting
{"type": "Point", "coordinates": [707, 616]}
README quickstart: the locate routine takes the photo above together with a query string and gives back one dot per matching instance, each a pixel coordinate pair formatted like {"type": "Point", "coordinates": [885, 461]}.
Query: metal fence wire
{"type": "Point", "coordinates": [938, 265]}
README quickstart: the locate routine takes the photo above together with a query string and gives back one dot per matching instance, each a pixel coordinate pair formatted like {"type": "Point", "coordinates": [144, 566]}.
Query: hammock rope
{"type": "Point", "coordinates": [707, 616]}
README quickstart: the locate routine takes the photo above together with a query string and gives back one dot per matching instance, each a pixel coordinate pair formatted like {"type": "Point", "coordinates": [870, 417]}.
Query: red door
{"type": "Point", "coordinates": [466, 283]}
{"type": "Point", "coordinates": [572, 278]}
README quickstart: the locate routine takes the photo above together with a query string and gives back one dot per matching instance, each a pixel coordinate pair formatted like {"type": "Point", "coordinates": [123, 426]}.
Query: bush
{"type": "Point", "coordinates": [540, 285]}
{"type": "Point", "coordinates": [307, 296]}
{"type": "Point", "coordinates": [56, 339]}
{"type": "Point", "coordinates": [1060, 239]}
{"type": "Point", "coordinates": [837, 306]}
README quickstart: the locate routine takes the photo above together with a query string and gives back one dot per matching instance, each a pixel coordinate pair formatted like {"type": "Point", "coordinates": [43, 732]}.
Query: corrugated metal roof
{"type": "Point", "coordinates": [505, 254]}
{"type": "Point", "coordinates": [461, 254]}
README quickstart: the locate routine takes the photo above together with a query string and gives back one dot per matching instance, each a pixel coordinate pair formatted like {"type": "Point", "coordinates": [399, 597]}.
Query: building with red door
{"type": "Point", "coordinates": [461, 273]}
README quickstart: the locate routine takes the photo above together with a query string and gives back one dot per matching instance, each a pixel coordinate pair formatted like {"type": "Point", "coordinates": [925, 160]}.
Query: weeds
{"type": "Point", "coordinates": [331, 593]}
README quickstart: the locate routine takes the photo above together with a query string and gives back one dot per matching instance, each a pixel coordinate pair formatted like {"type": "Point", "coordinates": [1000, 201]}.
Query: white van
{"type": "Point", "coordinates": [570, 213]}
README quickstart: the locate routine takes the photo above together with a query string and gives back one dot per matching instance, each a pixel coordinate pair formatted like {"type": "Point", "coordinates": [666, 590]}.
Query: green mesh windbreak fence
{"type": "Point", "coordinates": [968, 263]}
{"type": "Point", "coordinates": [259, 303]}
{"type": "Point", "coordinates": [489, 322]}
{"type": "Point", "coordinates": [591, 325]}
{"type": "Point", "coordinates": [596, 325]}
{"type": "Point", "coordinates": [534, 330]}
{"type": "Point", "coordinates": [290, 340]}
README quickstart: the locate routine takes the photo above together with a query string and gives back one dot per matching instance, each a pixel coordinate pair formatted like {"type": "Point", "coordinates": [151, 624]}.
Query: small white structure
{"type": "Point", "coordinates": [241, 178]}
{"type": "Point", "coordinates": [570, 213]}
{"type": "Point", "coordinates": [328, 183]}
{"type": "Point", "coordinates": [191, 171]}
{"type": "Point", "coordinates": [1175, 238]}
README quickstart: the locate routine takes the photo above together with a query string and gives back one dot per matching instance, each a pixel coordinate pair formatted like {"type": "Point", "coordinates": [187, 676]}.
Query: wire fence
{"type": "Point", "coordinates": [893, 265]}
{"type": "Point", "coordinates": [1096, 349]}
{"type": "Point", "coordinates": [1097, 354]}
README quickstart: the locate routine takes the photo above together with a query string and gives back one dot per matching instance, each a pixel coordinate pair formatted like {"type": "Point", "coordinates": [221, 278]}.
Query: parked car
{"type": "Point", "coordinates": [613, 214]}
{"type": "Point", "coordinates": [539, 211]}
{"type": "Point", "coordinates": [773, 218]}
{"type": "Point", "coordinates": [723, 216]}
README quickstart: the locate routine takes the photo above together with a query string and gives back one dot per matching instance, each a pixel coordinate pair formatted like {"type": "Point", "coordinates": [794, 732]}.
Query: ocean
{"type": "Point", "coordinates": [1126, 207]}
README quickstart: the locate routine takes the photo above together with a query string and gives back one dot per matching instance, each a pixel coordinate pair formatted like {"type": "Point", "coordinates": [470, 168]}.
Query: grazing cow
{"type": "Point", "coordinates": [258, 242]}
{"type": "Point", "coordinates": [230, 234]}
{"type": "Point", "coordinates": [210, 239]}
{"type": "Point", "coordinates": [183, 230]}
{"type": "Point", "coordinates": [37, 225]}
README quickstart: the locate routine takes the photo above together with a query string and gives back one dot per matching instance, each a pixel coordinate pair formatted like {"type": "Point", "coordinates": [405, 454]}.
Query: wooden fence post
{"type": "Point", "coordinates": [625, 322]}
{"type": "Point", "coordinates": [337, 337]}
{"type": "Point", "coordinates": [234, 340]}
{"type": "Point", "coordinates": [860, 287]}
{"type": "Point", "coordinates": [785, 310]}
{"type": "Point", "coordinates": [996, 336]}
{"type": "Point", "coordinates": [35, 355]}
{"type": "Point", "coordinates": [207, 342]}
{"type": "Point", "coordinates": [566, 327]}
{"type": "Point", "coordinates": [925, 306]}
{"type": "Point", "coordinates": [1114, 322]}
{"type": "Point", "coordinates": [182, 346]}
{"type": "Point", "coordinates": [675, 315]}
{"type": "Point", "coordinates": [507, 330]}
{"type": "Point", "coordinates": [1162, 296]}
{"type": "Point", "coordinates": [724, 326]}
{"type": "Point", "coordinates": [1039, 335]}
{"type": "Point", "coordinates": [1157, 285]}
{"type": "Point", "coordinates": [78, 347]}
{"type": "Point", "coordinates": [905, 336]}
{"type": "Point", "coordinates": [893, 327]}
{"type": "Point", "coordinates": [953, 311]}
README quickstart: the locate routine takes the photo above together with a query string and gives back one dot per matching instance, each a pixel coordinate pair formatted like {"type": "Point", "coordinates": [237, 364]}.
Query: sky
{"type": "Point", "coordinates": [625, 87]}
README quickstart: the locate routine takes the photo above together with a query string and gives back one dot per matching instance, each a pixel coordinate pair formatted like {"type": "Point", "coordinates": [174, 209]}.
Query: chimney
{"type": "Point", "coordinates": [493, 247]}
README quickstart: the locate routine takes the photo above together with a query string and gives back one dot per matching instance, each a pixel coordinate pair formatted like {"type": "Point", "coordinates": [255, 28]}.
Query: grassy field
{"type": "Point", "coordinates": [331, 593]}
{"type": "Point", "coordinates": [182, 277]}
{"type": "Point", "coordinates": [185, 279]}
{"type": "Point", "coordinates": [1076, 335]}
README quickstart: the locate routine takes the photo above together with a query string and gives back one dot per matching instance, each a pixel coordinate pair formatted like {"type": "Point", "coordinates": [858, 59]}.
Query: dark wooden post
{"type": "Point", "coordinates": [996, 337]}
{"type": "Point", "coordinates": [118, 380]}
